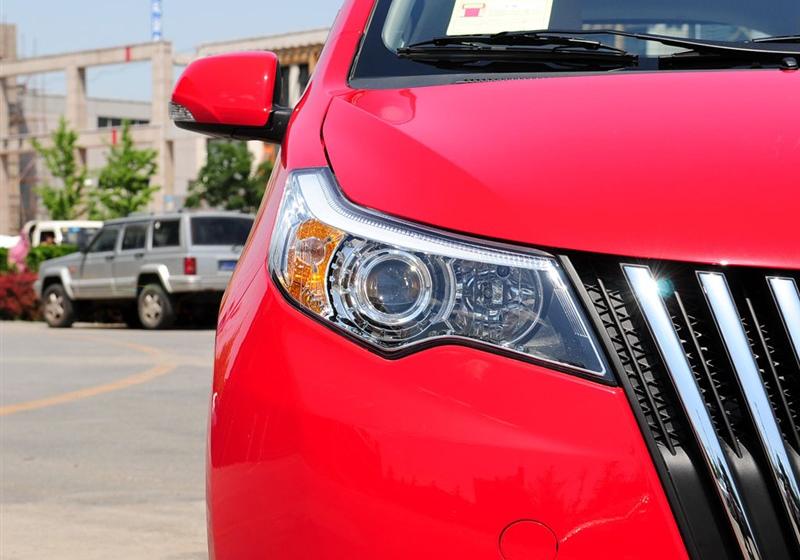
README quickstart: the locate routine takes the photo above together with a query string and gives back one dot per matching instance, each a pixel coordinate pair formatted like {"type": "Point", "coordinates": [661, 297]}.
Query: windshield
{"type": "Point", "coordinates": [398, 24]}
{"type": "Point", "coordinates": [77, 235]}
{"type": "Point", "coordinates": [220, 231]}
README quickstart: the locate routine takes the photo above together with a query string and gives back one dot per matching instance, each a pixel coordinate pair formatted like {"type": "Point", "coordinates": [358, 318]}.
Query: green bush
{"type": "Point", "coordinates": [42, 253]}
{"type": "Point", "coordinates": [5, 268]}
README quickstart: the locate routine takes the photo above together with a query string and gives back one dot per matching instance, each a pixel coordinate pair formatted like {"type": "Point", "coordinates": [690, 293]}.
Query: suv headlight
{"type": "Point", "coordinates": [399, 286]}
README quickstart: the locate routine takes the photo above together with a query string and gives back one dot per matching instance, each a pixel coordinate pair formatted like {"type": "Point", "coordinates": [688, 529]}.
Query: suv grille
{"type": "Point", "coordinates": [710, 358]}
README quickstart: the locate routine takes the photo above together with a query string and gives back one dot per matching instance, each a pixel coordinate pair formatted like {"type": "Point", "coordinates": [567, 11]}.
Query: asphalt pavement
{"type": "Point", "coordinates": [102, 442]}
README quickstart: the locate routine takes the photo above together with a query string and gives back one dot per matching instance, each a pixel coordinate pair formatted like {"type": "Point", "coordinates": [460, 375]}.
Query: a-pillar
{"type": "Point", "coordinates": [159, 119]}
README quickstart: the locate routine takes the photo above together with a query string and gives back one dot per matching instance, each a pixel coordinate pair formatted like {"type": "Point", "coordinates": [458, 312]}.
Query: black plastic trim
{"type": "Point", "coordinates": [273, 132]}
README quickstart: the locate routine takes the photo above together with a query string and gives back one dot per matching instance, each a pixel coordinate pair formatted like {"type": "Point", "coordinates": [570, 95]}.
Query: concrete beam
{"type": "Point", "coordinates": [183, 59]}
{"type": "Point", "coordinates": [81, 59]}
{"type": "Point", "coordinates": [272, 43]}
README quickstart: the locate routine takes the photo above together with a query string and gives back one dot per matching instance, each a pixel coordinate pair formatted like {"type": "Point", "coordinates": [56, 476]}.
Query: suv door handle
{"type": "Point", "coordinates": [138, 256]}
{"type": "Point", "coordinates": [110, 258]}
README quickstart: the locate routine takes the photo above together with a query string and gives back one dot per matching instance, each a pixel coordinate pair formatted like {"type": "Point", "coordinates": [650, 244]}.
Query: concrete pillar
{"type": "Point", "coordinates": [76, 97]}
{"type": "Point", "coordinates": [159, 117]}
{"type": "Point", "coordinates": [313, 58]}
{"type": "Point", "coordinates": [7, 221]}
{"type": "Point", "coordinates": [294, 85]}
{"type": "Point", "coordinates": [9, 164]}
{"type": "Point", "coordinates": [5, 109]}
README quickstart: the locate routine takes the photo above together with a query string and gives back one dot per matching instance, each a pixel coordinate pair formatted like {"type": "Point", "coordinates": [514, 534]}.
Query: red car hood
{"type": "Point", "coordinates": [697, 166]}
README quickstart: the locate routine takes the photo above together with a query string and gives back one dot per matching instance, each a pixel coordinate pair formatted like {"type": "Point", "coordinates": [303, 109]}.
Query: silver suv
{"type": "Point", "coordinates": [148, 270]}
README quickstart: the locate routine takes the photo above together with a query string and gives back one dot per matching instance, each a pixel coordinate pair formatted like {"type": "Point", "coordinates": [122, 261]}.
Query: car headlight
{"type": "Point", "coordinates": [399, 286]}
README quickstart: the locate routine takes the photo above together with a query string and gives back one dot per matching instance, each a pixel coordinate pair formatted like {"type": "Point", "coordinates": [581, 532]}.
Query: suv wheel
{"type": "Point", "coordinates": [58, 309]}
{"type": "Point", "coordinates": [156, 310]}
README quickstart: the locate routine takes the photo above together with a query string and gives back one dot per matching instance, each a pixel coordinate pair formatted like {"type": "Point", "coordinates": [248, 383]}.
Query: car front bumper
{"type": "Point", "coordinates": [321, 449]}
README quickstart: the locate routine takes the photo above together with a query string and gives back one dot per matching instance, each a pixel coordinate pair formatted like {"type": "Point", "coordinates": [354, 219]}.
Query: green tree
{"type": "Point", "coordinates": [225, 181]}
{"type": "Point", "coordinates": [123, 186]}
{"type": "Point", "coordinates": [67, 201]}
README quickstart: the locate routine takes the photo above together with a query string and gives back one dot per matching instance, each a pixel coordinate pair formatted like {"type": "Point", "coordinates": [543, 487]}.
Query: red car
{"type": "Point", "coordinates": [524, 285]}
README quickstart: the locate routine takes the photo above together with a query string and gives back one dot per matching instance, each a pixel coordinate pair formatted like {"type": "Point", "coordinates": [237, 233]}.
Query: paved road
{"type": "Point", "coordinates": [102, 443]}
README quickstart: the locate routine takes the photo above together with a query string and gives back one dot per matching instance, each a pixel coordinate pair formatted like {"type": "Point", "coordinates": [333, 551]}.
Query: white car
{"type": "Point", "coordinates": [61, 232]}
{"type": "Point", "coordinates": [8, 241]}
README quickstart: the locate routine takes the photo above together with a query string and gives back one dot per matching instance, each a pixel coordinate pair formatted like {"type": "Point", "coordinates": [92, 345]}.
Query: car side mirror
{"type": "Point", "coordinates": [232, 96]}
{"type": "Point", "coordinates": [83, 244]}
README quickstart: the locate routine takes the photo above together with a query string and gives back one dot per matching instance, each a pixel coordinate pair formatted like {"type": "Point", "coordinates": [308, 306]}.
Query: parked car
{"type": "Point", "coordinates": [524, 285]}
{"type": "Point", "coordinates": [148, 268]}
{"type": "Point", "coordinates": [61, 232]}
{"type": "Point", "coordinates": [58, 232]}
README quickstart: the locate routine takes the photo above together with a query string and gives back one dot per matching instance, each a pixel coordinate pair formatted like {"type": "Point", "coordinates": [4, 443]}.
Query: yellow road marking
{"type": "Point", "coordinates": [137, 379]}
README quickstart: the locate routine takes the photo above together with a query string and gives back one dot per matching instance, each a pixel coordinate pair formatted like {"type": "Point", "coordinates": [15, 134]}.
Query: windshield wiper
{"type": "Point", "coordinates": [698, 52]}
{"type": "Point", "coordinates": [541, 49]}
{"type": "Point", "coordinates": [516, 38]}
{"type": "Point", "coordinates": [778, 39]}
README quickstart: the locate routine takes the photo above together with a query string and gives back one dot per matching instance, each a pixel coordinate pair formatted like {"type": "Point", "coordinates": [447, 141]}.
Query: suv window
{"type": "Point", "coordinates": [135, 237]}
{"type": "Point", "coordinates": [105, 241]}
{"type": "Point", "coordinates": [220, 231]}
{"type": "Point", "coordinates": [77, 235]}
{"type": "Point", "coordinates": [166, 233]}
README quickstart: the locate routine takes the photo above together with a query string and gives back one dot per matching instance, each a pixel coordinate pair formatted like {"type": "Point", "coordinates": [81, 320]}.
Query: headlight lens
{"type": "Point", "coordinates": [399, 286]}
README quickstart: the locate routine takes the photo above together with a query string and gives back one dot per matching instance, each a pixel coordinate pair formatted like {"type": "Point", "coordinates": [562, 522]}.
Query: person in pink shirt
{"type": "Point", "coordinates": [19, 252]}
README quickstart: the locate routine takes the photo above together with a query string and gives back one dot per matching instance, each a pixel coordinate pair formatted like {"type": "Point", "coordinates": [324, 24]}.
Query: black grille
{"type": "Point", "coordinates": [652, 392]}
{"type": "Point", "coordinates": [638, 360]}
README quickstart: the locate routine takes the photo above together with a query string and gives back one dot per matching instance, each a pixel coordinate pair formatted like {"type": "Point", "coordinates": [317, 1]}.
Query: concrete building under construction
{"type": "Point", "coordinates": [27, 113]}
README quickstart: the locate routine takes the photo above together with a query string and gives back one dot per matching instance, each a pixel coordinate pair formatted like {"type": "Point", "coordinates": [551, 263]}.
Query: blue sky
{"type": "Point", "coordinates": [51, 26]}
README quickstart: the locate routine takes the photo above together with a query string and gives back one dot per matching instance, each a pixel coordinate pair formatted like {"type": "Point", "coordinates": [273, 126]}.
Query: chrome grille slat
{"type": "Point", "coordinates": [646, 292]}
{"type": "Point", "coordinates": [788, 299]}
{"type": "Point", "coordinates": [779, 391]}
{"type": "Point", "coordinates": [703, 361]}
{"type": "Point", "coordinates": [734, 336]}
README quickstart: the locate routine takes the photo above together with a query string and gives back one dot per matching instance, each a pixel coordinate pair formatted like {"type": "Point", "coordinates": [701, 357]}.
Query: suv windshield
{"type": "Point", "coordinates": [77, 235]}
{"type": "Point", "coordinates": [220, 231]}
{"type": "Point", "coordinates": [400, 24]}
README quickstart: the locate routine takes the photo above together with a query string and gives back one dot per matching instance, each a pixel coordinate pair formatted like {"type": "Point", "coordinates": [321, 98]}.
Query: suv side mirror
{"type": "Point", "coordinates": [232, 96]}
{"type": "Point", "coordinates": [84, 239]}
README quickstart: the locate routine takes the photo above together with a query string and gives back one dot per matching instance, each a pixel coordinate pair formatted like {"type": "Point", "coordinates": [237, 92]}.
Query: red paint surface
{"type": "Point", "coordinates": [695, 166]}
{"type": "Point", "coordinates": [234, 89]}
{"type": "Point", "coordinates": [321, 449]}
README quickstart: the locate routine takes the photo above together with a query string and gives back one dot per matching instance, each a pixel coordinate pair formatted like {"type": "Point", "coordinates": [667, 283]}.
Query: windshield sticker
{"type": "Point", "coordinates": [495, 16]}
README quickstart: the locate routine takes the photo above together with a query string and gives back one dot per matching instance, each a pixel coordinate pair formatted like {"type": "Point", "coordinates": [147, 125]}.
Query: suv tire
{"type": "Point", "coordinates": [156, 309]}
{"type": "Point", "coordinates": [58, 309]}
